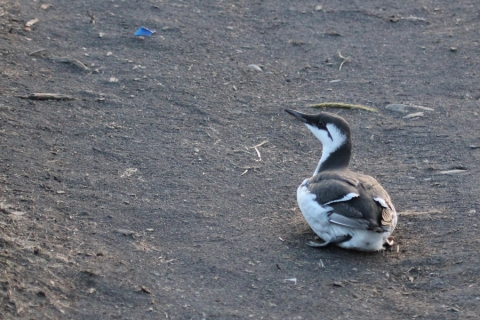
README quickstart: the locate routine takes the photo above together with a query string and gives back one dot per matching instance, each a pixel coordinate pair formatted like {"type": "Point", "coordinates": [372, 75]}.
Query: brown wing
{"type": "Point", "coordinates": [358, 201]}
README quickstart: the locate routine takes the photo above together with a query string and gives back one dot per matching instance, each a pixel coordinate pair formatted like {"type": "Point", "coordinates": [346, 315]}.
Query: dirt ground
{"type": "Point", "coordinates": [166, 189]}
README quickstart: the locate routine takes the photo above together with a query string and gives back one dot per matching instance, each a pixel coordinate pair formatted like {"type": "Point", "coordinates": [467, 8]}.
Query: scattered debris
{"type": "Point", "coordinates": [414, 115]}
{"type": "Point", "coordinates": [296, 42]}
{"type": "Point", "coordinates": [255, 67]}
{"type": "Point", "coordinates": [45, 6]}
{"type": "Point", "coordinates": [92, 17]}
{"type": "Point", "coordinates": [332, 33]}
{"type": "Point", "coordinates": [294, 280]}
{"type": "Point", "coordinates": [318, 7]}
{"type": "Point", "coordinates": [420, 107]}
{"type": "Point", "coordinates": [36, 51]}
{"type": "Point", "coordinates": [256, 149]}
{"type": "Point", "coordinates": [334, 81]}
{"type": "Point", "coordinates": [453, 309]}
{"type": "Point", "coordinates": [454, 171]}
{"type": "Point", "coordinates": [47, 96]}
{"type": "Point", "coordinates": [345, 59]}
{"type": "Point", "coordinates": [146, 290]}
{"type": "Point", "coordinates": [341, 105]}
{"type": "Point", "coordinates": [31, 22]}
{"type": "Point", "coordinates": [320, 263]}
{"type": "Point", "coordinates": [125, 232]}
{"type": "Point", "coordinates": [453, 49]}
{"type": "Point", "coordinates": [403, 108]}
{"type": "Point", "coordinates": [472, 146]}
{"type": "Point", "coordinates": [144, 32]}
{"type": "Point", "coordinates": [8, 210]}
{"type": "Point", "coordinates": [128, 172]}
{"type": "Point", "coordinates": [338, 284]}
{"type": "Point", "coordinates": [259, 145]}
{"type": "Point", "coordinates": [398, 107]}
{"type": "Point", "coordinates": [258, 154]}
{"type": "Point", "coordinates": [73, 61]}
{"type": "Point", "coordinates": [113, 79]}
{"type": "Point", "coordinates": [413, 18]}
{"type": "Point", "coordinates": [394, 17]}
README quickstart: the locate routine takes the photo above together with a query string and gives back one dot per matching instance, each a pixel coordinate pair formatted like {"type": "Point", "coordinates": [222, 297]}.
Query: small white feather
{"type": "Point", "coordinates": [382, 202]}
{"type": "Point", "coordinates": [348, 196]}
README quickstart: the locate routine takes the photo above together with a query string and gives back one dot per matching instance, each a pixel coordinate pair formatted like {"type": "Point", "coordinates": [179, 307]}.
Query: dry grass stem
{"type": "Point", "coordinates": [73, 61]}
{"type": "Point", "coordinates": [258, 154]}
{"type": "Point", "coordinates": [345, 59]}
{"type": "Point", "coordinates": [259, 145]}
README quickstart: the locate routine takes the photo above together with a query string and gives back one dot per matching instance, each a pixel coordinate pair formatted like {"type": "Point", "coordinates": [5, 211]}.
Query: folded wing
{"type": "Point", "coordinates": [357, 202]}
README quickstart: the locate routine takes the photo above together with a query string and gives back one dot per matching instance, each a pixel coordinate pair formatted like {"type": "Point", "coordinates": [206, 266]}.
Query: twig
{"type": "Point", "coordinates": [258, 154]}
{"type": "Point", "coordinates": [92, 17]}
{"type": "Point", "coordinates": [259, 145]}
{"type": "Point", "coordinates": [345, 59]}
{"type": "Point", "coordinates": [341, 105]}
{"type": "Point", "coordinates": [36, 51]}
{"type": "Point", "coordinates": [75, 62]}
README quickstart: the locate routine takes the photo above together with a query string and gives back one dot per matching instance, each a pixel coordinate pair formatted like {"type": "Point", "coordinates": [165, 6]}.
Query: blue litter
{"type": "Point", "coordinates": [144, 32]}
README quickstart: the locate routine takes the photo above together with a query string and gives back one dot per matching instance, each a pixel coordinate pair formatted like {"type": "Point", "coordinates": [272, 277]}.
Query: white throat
{"type": "Point", "coordinates": [329, 143]}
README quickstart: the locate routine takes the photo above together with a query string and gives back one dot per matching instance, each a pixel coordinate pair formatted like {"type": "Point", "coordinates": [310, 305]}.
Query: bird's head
{"type": "Point", "coordinates": [332, 130]}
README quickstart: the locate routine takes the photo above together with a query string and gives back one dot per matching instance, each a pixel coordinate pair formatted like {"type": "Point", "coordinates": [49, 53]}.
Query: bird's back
{"type": "Point", "coordinates": [354, 196]}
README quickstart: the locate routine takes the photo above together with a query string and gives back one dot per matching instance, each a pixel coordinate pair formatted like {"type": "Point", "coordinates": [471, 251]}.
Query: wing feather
{"type": "Point", "coordinates": [350, 197]}
{"type": "Point", "coordinates": [349, 222]}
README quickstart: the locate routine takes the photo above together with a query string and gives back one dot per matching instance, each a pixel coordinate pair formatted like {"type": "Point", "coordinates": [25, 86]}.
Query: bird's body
{"type": "Point", "coordinates": [343, 207]}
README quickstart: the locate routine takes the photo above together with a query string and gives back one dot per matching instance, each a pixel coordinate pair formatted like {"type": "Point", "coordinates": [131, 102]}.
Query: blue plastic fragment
{"type": "Point", "coordinates": [144, 32]}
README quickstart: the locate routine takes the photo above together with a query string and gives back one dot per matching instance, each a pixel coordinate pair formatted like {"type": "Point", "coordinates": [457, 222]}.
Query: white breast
{"type": "Point", "coordinates": [315, 215]}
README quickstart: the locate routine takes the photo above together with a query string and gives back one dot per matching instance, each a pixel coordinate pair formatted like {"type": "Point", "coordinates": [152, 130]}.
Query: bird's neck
{"type": "Point", "coordinates": [336, 159]}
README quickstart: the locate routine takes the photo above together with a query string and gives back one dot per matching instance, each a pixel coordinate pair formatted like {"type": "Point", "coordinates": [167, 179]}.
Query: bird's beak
{"type": "Point", "coordinates": [305, 118]}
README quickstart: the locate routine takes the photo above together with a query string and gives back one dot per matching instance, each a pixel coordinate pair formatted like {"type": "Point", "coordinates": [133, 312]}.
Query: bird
{"type": "Point", "coordinates": [343, 207]}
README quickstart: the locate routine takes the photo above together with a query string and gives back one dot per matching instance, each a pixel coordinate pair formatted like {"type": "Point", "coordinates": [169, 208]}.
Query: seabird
{"type": "Point", "coordinates": [345, 208]}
